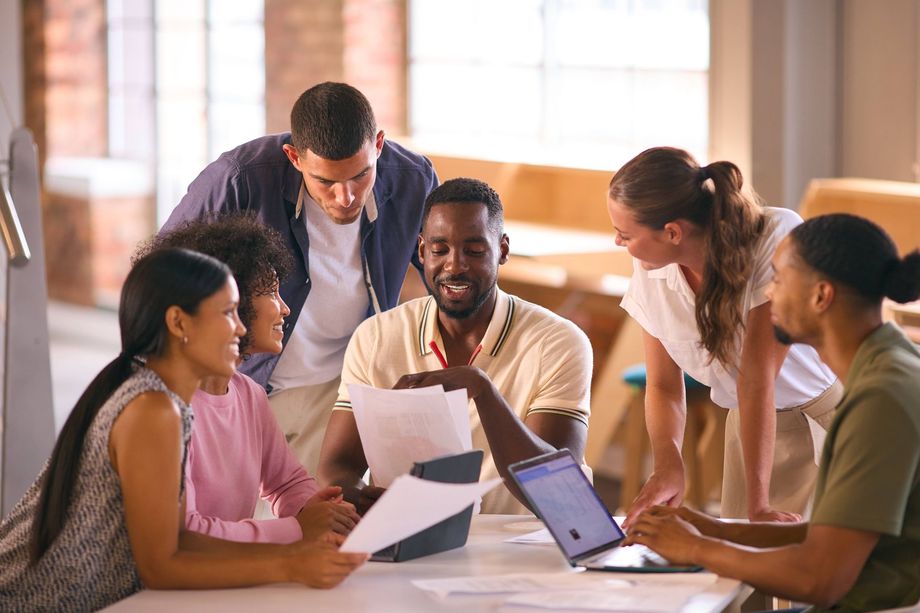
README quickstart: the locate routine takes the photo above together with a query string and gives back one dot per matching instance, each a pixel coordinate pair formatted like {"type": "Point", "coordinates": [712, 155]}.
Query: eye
{"type": "Point", "coordinates": [439, 252]}
{"type": "Point", "coordinates": [476, 252]}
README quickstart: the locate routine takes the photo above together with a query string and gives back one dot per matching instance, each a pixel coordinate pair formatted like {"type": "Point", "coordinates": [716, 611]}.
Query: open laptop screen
{"type": "Point", "coordinates": [568, 505]}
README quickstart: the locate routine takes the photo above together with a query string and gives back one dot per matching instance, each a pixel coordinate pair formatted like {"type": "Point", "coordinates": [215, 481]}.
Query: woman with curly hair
{"type": "Point", "coordinates": [238, 453]}
{"type": "Point", "coordinates": [701, 250]}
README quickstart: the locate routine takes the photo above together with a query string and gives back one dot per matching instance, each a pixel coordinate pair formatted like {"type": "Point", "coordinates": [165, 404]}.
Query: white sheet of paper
{"type": "Point", "coordinates": [400, 427]}
{"type": "Point", "coordinates": [409, 506]}
{"type": "Point", "coordinates": [537, 537]}
{"type": "Point", "coordinates": [510, 583]}
{"type": "Point", "coordinates": [818, 434]}
{"type": "Point", "coordinates": [637, 597]}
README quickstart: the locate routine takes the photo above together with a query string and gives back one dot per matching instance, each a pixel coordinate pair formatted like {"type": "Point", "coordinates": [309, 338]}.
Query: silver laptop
{"type": "Point", "coordinates": [561, 495]}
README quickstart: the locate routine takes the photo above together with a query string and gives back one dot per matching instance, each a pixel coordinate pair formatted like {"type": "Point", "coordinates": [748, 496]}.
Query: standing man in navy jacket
{"type": "Point", "coordinates": [349, 205]}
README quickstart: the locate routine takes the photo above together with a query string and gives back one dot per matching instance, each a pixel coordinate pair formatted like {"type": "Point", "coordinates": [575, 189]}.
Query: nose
{"type": "Point", "coordinates": [455, 262]}
{"type": "Point", "coordinates": [344, 195]}
{"type": "Point", "coordinates": [240, 328]}
{"type": "Point", "coordinates": [285, 309]}
{"type": "Point", "coordinates": [617, 240]}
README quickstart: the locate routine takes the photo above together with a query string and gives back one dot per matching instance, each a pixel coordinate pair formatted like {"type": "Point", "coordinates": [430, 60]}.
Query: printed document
{"type": "Point", "coordinates": [401, 427]}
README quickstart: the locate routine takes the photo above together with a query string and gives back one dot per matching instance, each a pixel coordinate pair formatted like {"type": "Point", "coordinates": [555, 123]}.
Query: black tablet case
{"type": "Point", "coordinates": [453, 531]}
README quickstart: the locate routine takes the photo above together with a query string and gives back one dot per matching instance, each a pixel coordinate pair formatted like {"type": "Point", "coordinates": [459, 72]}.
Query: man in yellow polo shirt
{"type": "Point", "coordinates": [526, 370]}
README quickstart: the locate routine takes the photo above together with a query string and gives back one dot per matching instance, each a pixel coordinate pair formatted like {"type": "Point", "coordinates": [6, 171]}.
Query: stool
{"type": "Point", "coordinates": [702, 447]}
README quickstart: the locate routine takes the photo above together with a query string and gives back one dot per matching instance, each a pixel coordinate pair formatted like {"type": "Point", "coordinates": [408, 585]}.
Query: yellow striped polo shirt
{"type": "Point", "coordinates": [539, 362]}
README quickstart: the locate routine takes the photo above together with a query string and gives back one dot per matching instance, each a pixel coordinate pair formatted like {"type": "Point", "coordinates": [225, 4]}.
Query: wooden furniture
{"type": "Point", "coordinates": [385, 586]}
{"type": "Point", "coordinates": [893, 205]}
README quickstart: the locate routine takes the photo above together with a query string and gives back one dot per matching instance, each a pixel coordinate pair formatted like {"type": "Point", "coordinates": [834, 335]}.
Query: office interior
{"type": "Point", "coordinates": [128, 100]}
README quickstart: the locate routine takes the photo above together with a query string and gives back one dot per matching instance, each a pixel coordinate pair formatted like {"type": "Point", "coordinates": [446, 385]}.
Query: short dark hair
{"type": "Point", "coordinates": [859, 254]}
{"type": "Point", "coordinates": [465, 190]}
{"type": "Point", "coordinates": [255, 253]}
{"type": "Point", "coordinates": [333, 120]}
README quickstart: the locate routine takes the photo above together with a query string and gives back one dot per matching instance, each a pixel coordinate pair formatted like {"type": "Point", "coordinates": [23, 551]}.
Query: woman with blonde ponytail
{"type": "Point", "coordinates": [701, 249]}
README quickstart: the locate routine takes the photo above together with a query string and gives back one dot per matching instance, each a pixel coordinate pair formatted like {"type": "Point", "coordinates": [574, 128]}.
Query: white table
{"type": "Point", "coordinates": [382, 586]}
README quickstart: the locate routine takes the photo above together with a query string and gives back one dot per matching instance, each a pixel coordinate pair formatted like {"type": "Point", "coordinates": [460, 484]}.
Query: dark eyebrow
{"type": "Point", "coordinates": [321, 178]}
{"type": "Point", "coordinates": [443, 239]}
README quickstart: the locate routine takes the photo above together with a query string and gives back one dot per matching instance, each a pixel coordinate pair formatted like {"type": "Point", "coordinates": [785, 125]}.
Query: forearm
{"type": "Point", "coordinates": [762, 534]}
{"type": "Point", "coordinates": [211, 570]}
{"type": "Point", "coordinates": [282, 530]}
{"type": "Point", "coordinates": [789, 572]}
{"type": "Point", "coordinates": [665, 420]}
{"type": "Point", "coordinates": [510, 440]}
{"type": "Point", "coordinates": [758, 439]}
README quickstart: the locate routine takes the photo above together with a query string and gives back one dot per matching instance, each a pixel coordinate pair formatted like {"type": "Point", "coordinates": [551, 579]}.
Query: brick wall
{"type": "Point", "coordinates": [361, 42]}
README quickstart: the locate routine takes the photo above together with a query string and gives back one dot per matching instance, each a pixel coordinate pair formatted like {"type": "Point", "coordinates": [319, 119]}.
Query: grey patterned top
{"type": "Point", "coordinates": [89, 565]}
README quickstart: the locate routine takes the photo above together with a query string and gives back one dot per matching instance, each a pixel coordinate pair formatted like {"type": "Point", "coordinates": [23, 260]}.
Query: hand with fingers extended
{"type": "Point", "coordinates": [664, 487]}
{"type": "Point", "coordinates": [470, 378]}
{"type": "Point", "coordinates": [326, 511]}
{"type": "Point", "coordinates": [663, 530]}
{"type": "Point", "coordinates": [320, 564]}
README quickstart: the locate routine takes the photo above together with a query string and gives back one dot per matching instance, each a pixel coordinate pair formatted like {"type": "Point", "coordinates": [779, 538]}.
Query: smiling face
{"type": "Point", "coordinates": [266, 330]}
{"type": "Point", "coordinates": [214, 332]}
{"type": "Point", "coordinates": [340, 187]}
{"type": "Point", "coordinates": [651, 247]}
{"type": "Point", "coordinates": [791, 293]}
{"type": "Point", "coordinates": [461, 255]}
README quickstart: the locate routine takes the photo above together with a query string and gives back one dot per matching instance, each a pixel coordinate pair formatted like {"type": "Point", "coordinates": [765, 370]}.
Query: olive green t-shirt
{"type": "Point", "coordinates": [869, 477]}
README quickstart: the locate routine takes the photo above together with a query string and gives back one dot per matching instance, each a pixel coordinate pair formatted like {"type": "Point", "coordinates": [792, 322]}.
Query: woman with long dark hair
{"type": "Point", "coordinates": [701, 248]}
{"type": "Point", "coordinates": [105, 516]}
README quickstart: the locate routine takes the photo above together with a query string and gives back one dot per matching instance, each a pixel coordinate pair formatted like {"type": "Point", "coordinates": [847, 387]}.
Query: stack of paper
{"type": "Point", "coordinates": [401, 427]}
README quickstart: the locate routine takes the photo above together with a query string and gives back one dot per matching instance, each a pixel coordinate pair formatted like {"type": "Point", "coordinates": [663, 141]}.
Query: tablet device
{"type": "Point", "coordinates": [561, 495]}
{"type": "Point", "coordinates": [453, 531]}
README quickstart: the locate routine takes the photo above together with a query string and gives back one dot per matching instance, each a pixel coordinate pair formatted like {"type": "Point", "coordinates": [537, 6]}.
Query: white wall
{"type": "Point", "coordinates": [878, 115]}
{"type": "Point", "coordinates": [10, 69]}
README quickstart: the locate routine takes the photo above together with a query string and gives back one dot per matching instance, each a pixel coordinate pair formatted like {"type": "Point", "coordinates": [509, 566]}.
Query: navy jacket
{"type": "Point", "coordinates": [257, 176]}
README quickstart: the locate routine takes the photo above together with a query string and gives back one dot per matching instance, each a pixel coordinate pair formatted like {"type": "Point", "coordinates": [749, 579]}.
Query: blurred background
{"type": "Point", "coordinates": [129, 99]}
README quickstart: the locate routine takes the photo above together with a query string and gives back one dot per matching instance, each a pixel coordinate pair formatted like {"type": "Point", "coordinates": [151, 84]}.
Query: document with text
{"type": "Point", "coordinates": [401, 427]}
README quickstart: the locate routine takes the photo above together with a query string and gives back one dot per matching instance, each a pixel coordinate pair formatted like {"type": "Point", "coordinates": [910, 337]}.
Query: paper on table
{"type": "Point", "coordinates": [537, 537]}
{"type": "Point", "coordinates": [410, 505]}
{"type": "Point", "coordinates": [637, 597]}
{"type": "Point", "coordinates": [499, 584]}
{"type": "Point", "coordinates": [400, 427]}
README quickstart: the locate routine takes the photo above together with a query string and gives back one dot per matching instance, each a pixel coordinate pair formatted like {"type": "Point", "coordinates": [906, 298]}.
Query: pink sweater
{"type": "Point", "coordinates": [238, 454]}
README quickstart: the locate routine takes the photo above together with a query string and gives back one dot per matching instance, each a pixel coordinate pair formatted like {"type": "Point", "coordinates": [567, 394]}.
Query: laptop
{"type": "Point", "coordinates": [453, 531]}
{"type": "Point", "coordinates": [561, 495]}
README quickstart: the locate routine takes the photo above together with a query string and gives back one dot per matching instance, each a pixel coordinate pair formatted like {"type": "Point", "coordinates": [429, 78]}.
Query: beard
{"type": "Point", "coordinates": [782, 336]}
{"type": "Point", "coordinates": [454, 313]}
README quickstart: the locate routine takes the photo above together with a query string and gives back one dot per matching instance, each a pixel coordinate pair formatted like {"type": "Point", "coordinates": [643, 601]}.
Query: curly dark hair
{"type": "Point", "coordinates": [255, 253]}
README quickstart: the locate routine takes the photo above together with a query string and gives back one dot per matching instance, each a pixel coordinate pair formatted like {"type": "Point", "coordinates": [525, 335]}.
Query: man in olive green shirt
{"type": "Point", "coordinates": [861, 549]}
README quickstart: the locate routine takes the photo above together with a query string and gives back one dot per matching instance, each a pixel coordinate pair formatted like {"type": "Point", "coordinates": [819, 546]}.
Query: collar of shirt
{"type": "Point", "coordinates": [498, 330]}
{"type": "Point", "coordinates": [675, 279]}
{"type": "Point", "coordinates": [370, 206]}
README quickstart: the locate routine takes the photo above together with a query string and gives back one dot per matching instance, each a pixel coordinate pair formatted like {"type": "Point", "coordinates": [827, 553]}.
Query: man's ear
{"type": "Point", "coordinates": [504, 248]}
{"type": "Point", "coordinates": [823, 296]}
{"type": "Point", "coordinates": [421, 249]}
{"type": "Point", "coordinates": [293, 155]}
{"type": "Point", "coordinates": [381, 137]}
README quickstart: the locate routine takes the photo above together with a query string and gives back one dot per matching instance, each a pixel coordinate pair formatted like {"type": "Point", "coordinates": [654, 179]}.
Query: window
{"type": "Point", "coordinates": [585, 83]}
{"type": "Point", "coordinates": [186, 83]}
